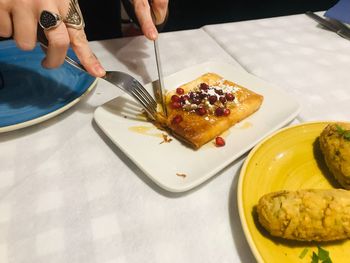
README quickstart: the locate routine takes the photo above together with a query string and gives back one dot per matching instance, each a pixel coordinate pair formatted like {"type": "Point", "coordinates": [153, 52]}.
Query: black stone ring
{"type": "Point", "coordinates": [49, 20]}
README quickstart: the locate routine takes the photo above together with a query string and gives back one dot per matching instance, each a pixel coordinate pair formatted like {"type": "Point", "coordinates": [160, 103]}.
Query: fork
{"type": "Point", "coordinates": [122, 80]}
{"type": "Point", "coordinates": [134, 88]}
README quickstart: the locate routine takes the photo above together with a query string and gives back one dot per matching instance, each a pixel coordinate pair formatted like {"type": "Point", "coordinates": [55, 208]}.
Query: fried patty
{"type": "Point", "coordinates": [335, 146]}
{"type": "Point", "coordinates": [306, 215]}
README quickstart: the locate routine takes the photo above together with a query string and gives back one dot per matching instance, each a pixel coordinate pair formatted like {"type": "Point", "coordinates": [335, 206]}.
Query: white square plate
{"type": "Point", "coordinates": [164, 163]}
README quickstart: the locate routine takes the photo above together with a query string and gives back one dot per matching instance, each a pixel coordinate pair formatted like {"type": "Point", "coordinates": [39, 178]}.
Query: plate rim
{"type": "Point", "coordinates": [242, 173]}
{"type": "Point", "coordinates": [171, 188]}
{"type": "Point", "coordinates": [49, 115]}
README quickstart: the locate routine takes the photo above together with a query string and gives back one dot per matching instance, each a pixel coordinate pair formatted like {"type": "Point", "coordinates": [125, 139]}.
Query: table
{"type": "Point", "coordinates": [67, 194]}
{"type": "Point", "coordinates": [296, 54]}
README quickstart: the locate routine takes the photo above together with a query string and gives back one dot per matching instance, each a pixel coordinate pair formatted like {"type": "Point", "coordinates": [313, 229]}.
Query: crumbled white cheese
{"type": "Point", "coordinates": [194, 106]}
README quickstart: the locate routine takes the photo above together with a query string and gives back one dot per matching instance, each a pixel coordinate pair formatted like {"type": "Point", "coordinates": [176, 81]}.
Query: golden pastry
{"type": "Point", "coordinates": [204, 108]}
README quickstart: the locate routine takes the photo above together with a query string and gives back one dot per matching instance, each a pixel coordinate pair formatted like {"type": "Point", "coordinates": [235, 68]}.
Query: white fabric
{"type": "Point", "coordinates": [67, 194]}
{"type": "Point", "coordinates": [308, 61]}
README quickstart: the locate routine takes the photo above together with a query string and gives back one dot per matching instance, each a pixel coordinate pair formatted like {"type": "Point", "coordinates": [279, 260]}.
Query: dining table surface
{"type": "Point", "coordinates": [69, 194]}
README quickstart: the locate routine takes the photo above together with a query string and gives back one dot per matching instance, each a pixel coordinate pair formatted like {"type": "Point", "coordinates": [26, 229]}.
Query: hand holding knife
{"type": "Point", "coordinates": [129, 8]}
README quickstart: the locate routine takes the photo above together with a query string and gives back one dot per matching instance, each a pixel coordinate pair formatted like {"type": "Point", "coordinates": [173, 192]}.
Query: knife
{"type": "Point", "coordinates": [160, 87]}
{"type": "Point", "coordinates": [331, 26]}
{"type": "Point", "coordinates": [340, 25]}
{"type": "Point", "coordinates": [129, 8]}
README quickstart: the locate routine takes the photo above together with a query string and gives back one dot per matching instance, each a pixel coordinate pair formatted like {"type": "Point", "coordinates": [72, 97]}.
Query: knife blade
{"type": "Point", "coordinates": [129, 8]}
{"type": "Point", "coordinates": [331, 26]}
{"type": "Point", "coordinates": [160, 87]}
{"type": "Point", "coordinates": [342, 27]}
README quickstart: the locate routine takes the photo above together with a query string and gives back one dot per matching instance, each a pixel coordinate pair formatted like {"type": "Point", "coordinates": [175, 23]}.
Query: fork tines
{"type": "Point", "coordinates": [142, 95]}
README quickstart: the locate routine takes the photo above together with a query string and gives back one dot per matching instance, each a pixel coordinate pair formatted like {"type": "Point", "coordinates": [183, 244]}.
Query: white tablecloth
{"type": "Point", "coordinates": [67, 194]}
{"type": "Point", "coordinates": [296, 54]}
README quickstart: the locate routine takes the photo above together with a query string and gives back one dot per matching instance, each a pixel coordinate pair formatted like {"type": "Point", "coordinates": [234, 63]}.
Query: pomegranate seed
{"type": "Point", "coordinates": [223, 100]}
{"type": "Point", "coordinates": [177, 119]}
{"type": "Point", "coordinates": [201, 111]}
{"type": "Point", "coordinates": [185, 97]}
{"type": "Point", "coordinates": [227, 112]}
{"type": "Point", "coordinates": [229, 96]}
{"type": "Point", "coordinates": [180, 91]}
{"type": "Point", "coordinates": [219, 111]}
{"type": "Point", "coordinates": [203, 95]}
{"type": "Point", "coordinates": [175, 98]}
{"type": "Point", "coordinates": [204, 86]}
{"type": "Point", "coordinates": [176, 105]}
{"type": "Point", "coordinates": [212, 99]}
{"type": "Point", "coordinates": [219, 142]}
{"type": "Point", "coordinates": [192, 95]}
{"type": "Point", "coordinates": [196, 101]}
{"type": "Point", "coordinates": [219, 91]}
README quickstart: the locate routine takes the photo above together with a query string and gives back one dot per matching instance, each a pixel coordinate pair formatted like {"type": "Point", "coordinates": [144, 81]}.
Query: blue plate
{"type": "Point", "coordinates": [29, 93]}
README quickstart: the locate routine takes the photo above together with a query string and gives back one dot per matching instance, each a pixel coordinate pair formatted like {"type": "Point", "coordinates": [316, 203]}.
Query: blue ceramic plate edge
{"type": "Point", "coordinates": [49, 115]}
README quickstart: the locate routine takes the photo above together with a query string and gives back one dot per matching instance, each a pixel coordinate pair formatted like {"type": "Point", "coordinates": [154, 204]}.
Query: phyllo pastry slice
{"type": "Point", "coordinates": [204, 108]}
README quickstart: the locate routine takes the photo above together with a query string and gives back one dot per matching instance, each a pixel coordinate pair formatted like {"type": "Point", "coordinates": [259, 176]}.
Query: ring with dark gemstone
{"type": "Point", "coordinates": [49, 20]}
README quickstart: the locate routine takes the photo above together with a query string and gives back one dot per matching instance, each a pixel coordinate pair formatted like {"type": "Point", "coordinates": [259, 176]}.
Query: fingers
{"type": "Point", "coordinates": [81, 48]}
{"type": "Point", "coordinates": [5, 24]}
{"type": "Point", "coordinates": [24, 27]}
{"type": "Point", "coordinates": [144, 16]}
{"type": "Point", "coordinates": [24, 18]}
{"type": "Point", "coordinates": [57, 48]}
{"type": "Point", "coordinates": [58, 39]}
{"type": "Point", "coordinates": [160, 10]}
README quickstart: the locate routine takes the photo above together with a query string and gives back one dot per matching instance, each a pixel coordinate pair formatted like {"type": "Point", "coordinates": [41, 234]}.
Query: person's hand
{"type": "Point", "coordinates": [146, 15]}
{"type": "Point", "coordinates": [19, 18]}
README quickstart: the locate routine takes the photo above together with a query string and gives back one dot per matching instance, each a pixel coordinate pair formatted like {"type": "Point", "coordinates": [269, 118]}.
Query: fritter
{"type": "Point", "coordinates": [306, 215]}
{"type": "Point", "coordinates": [335, 146]}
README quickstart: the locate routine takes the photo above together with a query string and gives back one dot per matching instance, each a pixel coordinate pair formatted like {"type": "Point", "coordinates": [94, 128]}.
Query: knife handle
{"type": "Point", "coordinates": [343, 34]}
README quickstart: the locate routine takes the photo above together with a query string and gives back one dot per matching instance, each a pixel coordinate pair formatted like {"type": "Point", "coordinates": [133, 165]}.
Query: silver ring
{"type": "Point", "coordinates": [74, 18]}
{"type": "Point", "coordinates": [49, 20]}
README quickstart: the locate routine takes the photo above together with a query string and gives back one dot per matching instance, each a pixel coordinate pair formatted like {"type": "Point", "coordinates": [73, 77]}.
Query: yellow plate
{"type": "Point", "coordinates": [289, 159]}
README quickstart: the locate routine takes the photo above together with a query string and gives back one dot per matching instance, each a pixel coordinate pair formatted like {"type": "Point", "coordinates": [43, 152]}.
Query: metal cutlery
{"type": "Point", "coordinates": [134, 88]}
{"type": "Point", "coordinates": [119, 79]}
{"type": "Point", "coordinates": [159, 89]}
{"type": "Point", "coordinates": [339, 24]}
{"type": "Point", "coordinates": [332, 25]}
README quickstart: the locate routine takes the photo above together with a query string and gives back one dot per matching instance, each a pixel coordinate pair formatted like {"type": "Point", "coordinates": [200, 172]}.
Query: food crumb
{"type": "Point", "coordinates": [303, 253]}
{"type": "Point", "coordinates": [166, 139]}
{"type": "Point", "coordinates": [181, 175]}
